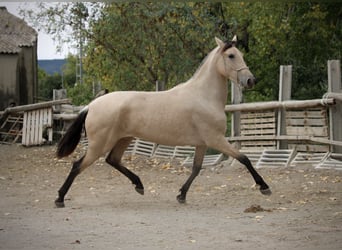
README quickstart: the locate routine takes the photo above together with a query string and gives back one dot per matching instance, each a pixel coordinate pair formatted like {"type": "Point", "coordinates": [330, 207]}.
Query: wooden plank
{"type": "Point", "coordinates": [258, 126]}
{"type": "Point", "coordinates": [49, 121]}
{"type": "Point", "coordinates": [36, 127]}
{"type": "Point", "coordinates": [42, 117]}
{"type": "Point", "coordinates": [23, 138]}
{"type": "Point", "coordinates": [306, 122]}
{"type": "Point", "coordinates": [257, 115]}
{"type": "Point", "coordinates": [258, 120]}
{"type": "Point", "coordinates": [307, 147]}
{"type": "Point", "coordinates": [252, 143]}
{"type": "Point", "coordinates": [306, 113]}
{"type": "Point", "coordinates": [311, 131]}
{"type": "Point", "coordinates": [29, 125]}
{"type": "Point", "coordinates": [258, 132]}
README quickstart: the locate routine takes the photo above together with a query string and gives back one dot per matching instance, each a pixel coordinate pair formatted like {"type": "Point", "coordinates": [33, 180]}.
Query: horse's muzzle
{"type": "Point", "coordinates": [251, 82]}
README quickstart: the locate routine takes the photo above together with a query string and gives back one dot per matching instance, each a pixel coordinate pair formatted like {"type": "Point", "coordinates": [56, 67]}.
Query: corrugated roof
{"type": "Point", "coordinates": [14, 33]}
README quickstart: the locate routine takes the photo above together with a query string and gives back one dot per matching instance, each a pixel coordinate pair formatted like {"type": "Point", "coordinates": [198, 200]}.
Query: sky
{"type": "Point", "coordinates": [46, 46]}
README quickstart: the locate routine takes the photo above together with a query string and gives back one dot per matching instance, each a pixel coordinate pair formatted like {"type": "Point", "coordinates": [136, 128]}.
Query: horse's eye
{"type": "Point", "coordinates": [231, 56]}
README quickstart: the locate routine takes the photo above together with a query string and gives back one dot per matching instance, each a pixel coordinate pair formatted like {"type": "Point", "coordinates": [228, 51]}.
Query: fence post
{"type": "Point", "coordinates": [285, 83]}
{"type": "Point", "coordinates": [335, 112]}
{"type": "Point", "coordinates": [236, 98]}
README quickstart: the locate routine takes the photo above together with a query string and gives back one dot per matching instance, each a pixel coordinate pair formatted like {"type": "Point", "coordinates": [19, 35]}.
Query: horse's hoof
{"type": "Point", "coordinates": [181, 199]}
{"type": "Point", "coordinates": [266, 191]}
{"type": "Point", "coordinates": [140, 190]}
{"type": "Point", "coordinates": [59, 204]}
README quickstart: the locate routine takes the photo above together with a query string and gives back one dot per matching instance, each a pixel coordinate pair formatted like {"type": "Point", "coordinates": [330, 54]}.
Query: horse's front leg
{"type": "Point", "coordinates": [198, 160]}
{"type": "Point", "coordinates": [264, 188]}
{"type": "Point", "coordinates": [226, 148]}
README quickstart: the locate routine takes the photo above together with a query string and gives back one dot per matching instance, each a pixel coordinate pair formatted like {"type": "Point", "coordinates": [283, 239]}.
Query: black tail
{"type": "Point", "coordinates": [72, 137]}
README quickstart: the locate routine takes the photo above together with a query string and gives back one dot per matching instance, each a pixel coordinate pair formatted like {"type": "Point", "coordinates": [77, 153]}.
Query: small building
{"type": "Point", "coordinates": [18, 61]}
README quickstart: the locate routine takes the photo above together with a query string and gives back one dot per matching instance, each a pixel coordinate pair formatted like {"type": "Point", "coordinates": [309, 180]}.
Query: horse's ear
{"type": "Point", "coordinates": [219, 42]}
{"type": "Point", "coordinates": [234, 40]}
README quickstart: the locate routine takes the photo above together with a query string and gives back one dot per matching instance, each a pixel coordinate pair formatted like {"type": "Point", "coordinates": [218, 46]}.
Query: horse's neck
{"type": "Point", "coordinates": [210, 84]}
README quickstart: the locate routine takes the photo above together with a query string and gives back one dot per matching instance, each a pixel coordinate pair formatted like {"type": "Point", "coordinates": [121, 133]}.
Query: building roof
{"type": "Point", "coordinates": [14, 33]}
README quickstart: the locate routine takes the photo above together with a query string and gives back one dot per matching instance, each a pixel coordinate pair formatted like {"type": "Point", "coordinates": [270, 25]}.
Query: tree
{"type": "Point", "coordinates": [130, 46]}
{"type": "Point", "coordinates": [46, 84]}
{"type": "Point", "coordinates": [304, 35]}
{"type": "Point", "coordinates": [155, 42]}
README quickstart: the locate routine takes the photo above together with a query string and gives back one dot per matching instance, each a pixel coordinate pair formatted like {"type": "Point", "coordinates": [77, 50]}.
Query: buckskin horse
{"type": "Point", "coordinates": [192, 113]}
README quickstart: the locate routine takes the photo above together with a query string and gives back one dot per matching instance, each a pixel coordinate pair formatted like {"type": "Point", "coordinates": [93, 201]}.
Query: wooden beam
{"type": "Point", "coordinates": [286, 137]}
{"type": "Point", "coordinates": [236, 98]}
{"type": "Point", "coordinates": [335, 113]}
{"type": "Point", "coordinates": [285, 84]}
{"type": "Point", "coordinates": [258, 106]}
{"type": "Point", "coordinates": [64, 116]}
{"type": "Point", "coordinates": [35, 106]}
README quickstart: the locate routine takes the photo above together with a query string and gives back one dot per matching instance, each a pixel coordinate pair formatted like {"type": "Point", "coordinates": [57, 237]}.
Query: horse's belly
{"type": "Point", "coordinates": [168, 133]}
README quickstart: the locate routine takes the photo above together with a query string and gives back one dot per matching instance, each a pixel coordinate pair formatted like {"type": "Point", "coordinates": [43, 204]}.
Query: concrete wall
{"type": "Point", "coordinates": [9, 82]}
{"type": "Point", "coordinates": [18, 77]}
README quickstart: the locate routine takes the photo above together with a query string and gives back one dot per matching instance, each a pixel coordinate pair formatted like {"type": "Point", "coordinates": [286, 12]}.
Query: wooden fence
{"type": "Point", "coordinates": [32, 123]}
{"type": "Point", "coordinates": [307, 125]}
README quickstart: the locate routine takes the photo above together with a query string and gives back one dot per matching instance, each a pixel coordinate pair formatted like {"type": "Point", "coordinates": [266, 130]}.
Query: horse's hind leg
{"type": "Point", "coordinates": [77, 168]}
{"type": "Point", "coordinates": [68, 182]}
{"type": "Point", "coordinates": [114, 159]}
{"type": "Point", "coordinates": [198, 160]}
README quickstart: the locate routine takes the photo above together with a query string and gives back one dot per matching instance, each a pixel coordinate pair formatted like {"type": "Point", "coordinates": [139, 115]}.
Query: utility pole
{"type": "Point", "coordinates": [81, 12]}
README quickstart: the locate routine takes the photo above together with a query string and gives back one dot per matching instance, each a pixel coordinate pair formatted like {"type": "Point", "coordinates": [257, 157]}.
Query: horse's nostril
{"type": "Point", "coordinates": [251, 82]}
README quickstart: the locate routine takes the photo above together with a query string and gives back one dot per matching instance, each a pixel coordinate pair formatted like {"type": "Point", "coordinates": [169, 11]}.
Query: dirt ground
{"type": "Point", "coordinates": [223, 210]}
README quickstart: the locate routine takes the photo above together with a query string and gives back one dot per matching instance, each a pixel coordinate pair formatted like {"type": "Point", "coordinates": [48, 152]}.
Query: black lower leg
{"type": "Point", "coordinates": [129, 174]}
{"type": "Point", "coordinates": [68, 182]}
{"type": "Point", "coordinates": [264, 188]}
{"type": "Point", "coordinates": [184, 189]}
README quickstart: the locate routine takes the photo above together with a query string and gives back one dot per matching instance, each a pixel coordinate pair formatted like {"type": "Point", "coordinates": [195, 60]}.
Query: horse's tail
{"type": "Point", "coordinates": [72, 137]}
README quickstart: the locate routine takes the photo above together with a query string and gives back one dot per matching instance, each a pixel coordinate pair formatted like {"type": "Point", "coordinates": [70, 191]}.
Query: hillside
{"type": "Point", "coordinates": [52, 66]}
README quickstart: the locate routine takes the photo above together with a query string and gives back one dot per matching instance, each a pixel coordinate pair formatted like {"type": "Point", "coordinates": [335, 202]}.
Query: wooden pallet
{"type": "Point", "coordinates": [308, 122]}
{"type": "Point", "coordinates": [253, 155]}
{"type": "Point", "coordinates": [275, 158]}
{"type": "Point", "coordinates": [256, 125]}
{"type": "Point", "coordinates": [11, 128]}
{"type": "Point", "coordinates": [304, 159]}
{"type": "Point", "coordinates": [331, 161]}
{"type": "Point", "coordinates": [142, 147]}
{"type": "Point", "coordinates": [164, 151]}
{"type": "Point", "coordinates": [37, 124]}
{"type": "Point", "coordinates": [209, 160]}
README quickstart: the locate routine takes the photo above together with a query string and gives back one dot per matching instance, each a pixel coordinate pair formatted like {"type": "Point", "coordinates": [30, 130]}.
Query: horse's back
{"type": "Point", "coordinates": [162, 117]}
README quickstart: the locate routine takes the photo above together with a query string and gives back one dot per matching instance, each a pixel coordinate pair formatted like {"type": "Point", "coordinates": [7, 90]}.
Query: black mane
{"type": "Point", "coordinates": [228, 44]}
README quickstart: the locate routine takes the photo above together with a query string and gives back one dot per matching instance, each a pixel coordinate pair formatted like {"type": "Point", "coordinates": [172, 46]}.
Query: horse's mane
{"type": "Point", "coordinates": [201, 64]}
{"type": "Point", "coordinates": [228, 44]}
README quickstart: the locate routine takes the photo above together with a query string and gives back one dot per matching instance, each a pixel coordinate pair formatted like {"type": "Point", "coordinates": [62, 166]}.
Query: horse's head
{"type": "Point", "coordinates": [231, 65]}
